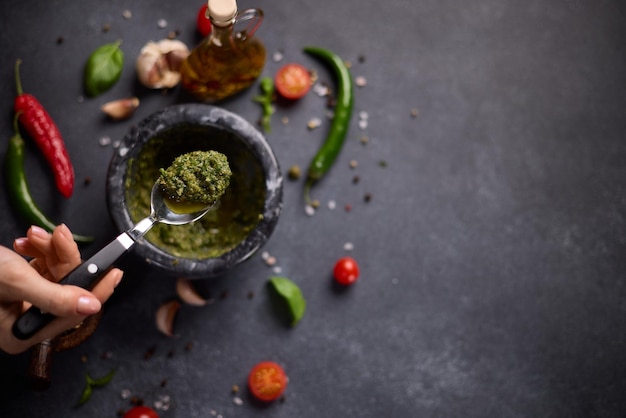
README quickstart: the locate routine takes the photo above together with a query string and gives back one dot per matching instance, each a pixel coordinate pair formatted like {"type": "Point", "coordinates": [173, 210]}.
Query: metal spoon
{"type": "Point", "coordinates": [91, 271]}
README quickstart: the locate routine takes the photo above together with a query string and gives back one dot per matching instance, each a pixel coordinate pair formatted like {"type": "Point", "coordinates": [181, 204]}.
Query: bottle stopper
{"type": "Point", "coordinates": [222, 12]}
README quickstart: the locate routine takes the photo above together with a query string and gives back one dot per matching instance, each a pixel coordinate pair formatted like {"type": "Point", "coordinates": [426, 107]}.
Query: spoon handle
{"type": "Point", "coordinates": [86, 275]}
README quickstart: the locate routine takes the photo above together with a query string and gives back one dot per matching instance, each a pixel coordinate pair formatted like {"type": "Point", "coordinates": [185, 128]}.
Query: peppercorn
{"type": "Point", "coordinates": [294, 172]}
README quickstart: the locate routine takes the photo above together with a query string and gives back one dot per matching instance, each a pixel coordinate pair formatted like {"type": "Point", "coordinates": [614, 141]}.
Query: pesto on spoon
{"type": "Point", "coordinates": [195, 180]}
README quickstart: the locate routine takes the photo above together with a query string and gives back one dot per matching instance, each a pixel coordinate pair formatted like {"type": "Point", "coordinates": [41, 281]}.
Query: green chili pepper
{"type": "Point", "coordinates": [103, 68]}
{"type": "Point", "coordinates": [17, 186]}
{"type": "Point", "coordinates": [329, 151]}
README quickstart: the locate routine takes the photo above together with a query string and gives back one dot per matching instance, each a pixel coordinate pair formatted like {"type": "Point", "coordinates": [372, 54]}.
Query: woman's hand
{"type": "Point", "coordinates": [23, 283]}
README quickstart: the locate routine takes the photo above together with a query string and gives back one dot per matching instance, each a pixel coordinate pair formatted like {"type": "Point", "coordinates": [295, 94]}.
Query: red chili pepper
{"type": "Point", "coordinates": [40, 126]}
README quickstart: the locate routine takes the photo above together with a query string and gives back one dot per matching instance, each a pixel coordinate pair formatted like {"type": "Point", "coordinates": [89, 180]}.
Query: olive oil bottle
{"type": "Point", "coordinates": [226, 61]}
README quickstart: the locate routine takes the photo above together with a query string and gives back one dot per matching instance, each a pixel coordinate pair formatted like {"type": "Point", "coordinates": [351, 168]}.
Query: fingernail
{"type": "Point", "coordinates": [19, 242]}
{"type": "Point", "coordinates": [88, 305]}
{"type": "Point", "coordinates": [38, 231]}
{"type": "Point", "coordinates": [65, 231]}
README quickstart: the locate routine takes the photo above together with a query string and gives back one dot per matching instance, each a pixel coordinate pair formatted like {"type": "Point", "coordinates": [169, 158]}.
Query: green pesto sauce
{"type": "Point", "coordinates": [236, 214]}
{"type": "Point", "coordinates": [198, 177]}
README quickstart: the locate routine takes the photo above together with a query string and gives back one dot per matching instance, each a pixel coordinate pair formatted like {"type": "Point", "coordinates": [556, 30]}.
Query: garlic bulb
{"type": "Point", "coordinates": [158, 63]}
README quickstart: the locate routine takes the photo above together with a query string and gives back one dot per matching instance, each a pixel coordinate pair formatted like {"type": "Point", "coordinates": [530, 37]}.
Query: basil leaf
{"type": "Point", "coordinates": [102, 380]}
{"type": "Point", "coordinates": [103, 68]}
{"type": "Point", "coordinates": [291, 294]}
{"type": "Point", "coordinates": [86, 395]}
{"type": "Point", "coordinates": [91, 383]}
{"type": "Point", "coordinates": [265, 100]}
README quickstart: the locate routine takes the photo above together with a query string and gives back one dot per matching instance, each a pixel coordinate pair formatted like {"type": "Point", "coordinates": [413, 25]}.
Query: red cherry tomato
{"type": "Point", "coordinates": [346, 271]}
{"type": "Point", "coordinates": [267, 381]}
{"type": "Point", "coordinates": [141, 412]}
{"type": "Point", "coordinates": [292, 81]}
{"type": "Point", "coordinates": [202, 22]}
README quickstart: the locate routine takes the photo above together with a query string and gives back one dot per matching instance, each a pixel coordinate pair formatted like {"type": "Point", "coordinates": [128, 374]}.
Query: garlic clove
{"type": "Point", "coordinates": [165, 316]}
{"type": "Point", "coordinates": [188, 294]}
{"type": "Point", "coordinates": [158, 64]}
{"type": "Point", "coordinates": [175, 59]}
{"type": "Point", "coordinates": [121, 109]}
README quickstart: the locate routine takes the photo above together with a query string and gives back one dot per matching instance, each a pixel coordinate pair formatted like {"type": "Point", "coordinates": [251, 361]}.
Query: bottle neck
{"type": "Point", "coordinates": [221, 34]}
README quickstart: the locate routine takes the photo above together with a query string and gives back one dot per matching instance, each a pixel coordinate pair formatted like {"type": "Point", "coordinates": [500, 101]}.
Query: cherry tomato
{"type": "Point", "coordinates": [267, 381]}
{"type": "Point", "coordinates": [202, 22]}
{"type": "Point", "coordinates": [141, 412]}
{"type": "Point", "coordinates": [346, 271]}
{"type": "Point", "coordinates": [292, 81]}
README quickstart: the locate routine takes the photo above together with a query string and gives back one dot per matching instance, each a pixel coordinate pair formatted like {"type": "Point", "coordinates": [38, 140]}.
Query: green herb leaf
{"type": "Point", "coordinates": [86, 395]}
{"type": "Point", "coordinates": [91, 383]}
{"type": "Point", "coordinates": [265, 100]}
{"type": "Point", "coordinates": [101, 381]}
{"type": "Point", "coordinates": [291, 294]}
{"type": "Point", "coordinates": [103, 68]}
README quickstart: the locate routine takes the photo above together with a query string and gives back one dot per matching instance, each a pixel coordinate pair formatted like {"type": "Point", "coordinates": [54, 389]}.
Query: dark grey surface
{"type": "Point", "coordinates": [492, 251]}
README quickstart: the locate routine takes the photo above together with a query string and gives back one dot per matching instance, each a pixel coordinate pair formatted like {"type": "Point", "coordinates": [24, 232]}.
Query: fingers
{"type": "Point", "coordinates": [54, 255]}
{"type": "Point", "coordinates": [70, 304]}
{"type": "Point", "coordinates": [61, 300]}
{"type": "Point", "coordinates": [106, 286]}
{"type": "Point", "coordinates": [37, 243]}
{"type": "Point", "coordinates": [25, 284]}
{"type": "Point", "coordinates": [65, 247]}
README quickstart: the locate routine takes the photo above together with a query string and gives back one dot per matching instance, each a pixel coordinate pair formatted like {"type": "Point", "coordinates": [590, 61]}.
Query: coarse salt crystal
{"type": "Point", "coordinates": [309, 210]}
{"type": "Point", "coordinates": [320, 90]}
{"type": "Point", "coordinates": [314, 123]}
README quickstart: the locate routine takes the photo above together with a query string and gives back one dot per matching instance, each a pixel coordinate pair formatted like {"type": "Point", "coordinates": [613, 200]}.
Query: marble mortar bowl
{"type": "Point", "coordinates": [183, 128]}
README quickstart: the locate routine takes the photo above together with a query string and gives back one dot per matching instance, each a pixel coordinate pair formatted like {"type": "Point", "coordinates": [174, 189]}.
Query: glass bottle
{"type": "Point", "coordinates": [226, 61]}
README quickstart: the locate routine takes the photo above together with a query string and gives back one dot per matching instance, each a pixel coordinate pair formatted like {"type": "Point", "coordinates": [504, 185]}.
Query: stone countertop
{"type": "Point", "coordinates": [486, 211]}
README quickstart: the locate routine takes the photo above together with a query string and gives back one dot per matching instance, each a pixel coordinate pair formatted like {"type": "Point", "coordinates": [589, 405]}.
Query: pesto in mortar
{"type": "Point", "coordinates": [197, 179]}
{"type": "Point", "coordinates": [226, 225]}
